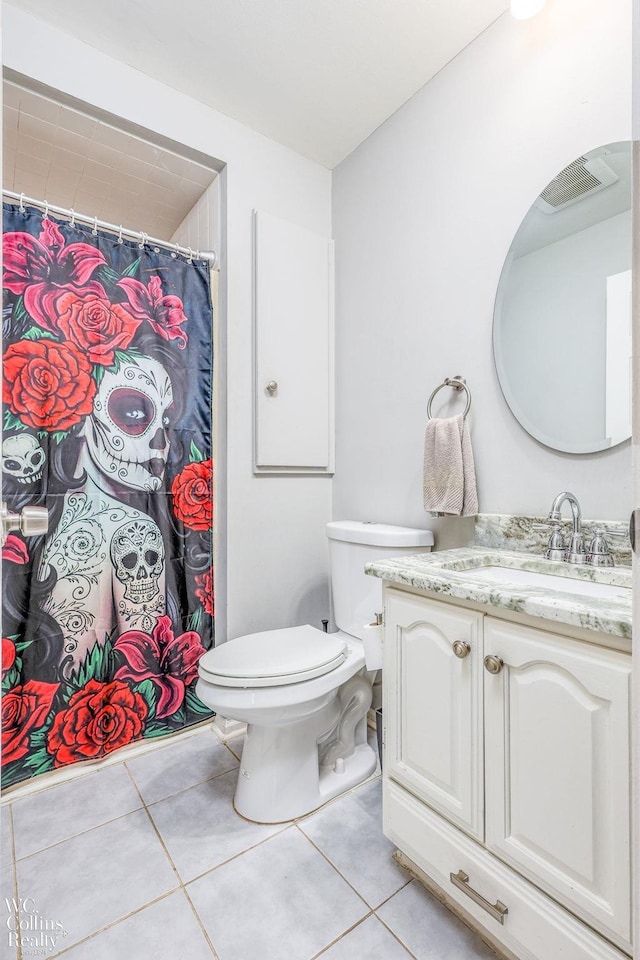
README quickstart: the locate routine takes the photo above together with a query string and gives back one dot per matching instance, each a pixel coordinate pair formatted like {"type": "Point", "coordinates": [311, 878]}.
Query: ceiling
{"type": "Point", "coordinates": [315, 75]}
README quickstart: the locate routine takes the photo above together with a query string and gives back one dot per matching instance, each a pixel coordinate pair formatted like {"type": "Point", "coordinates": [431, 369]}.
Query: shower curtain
{"type": "Point", "coordinates": [107, 378]}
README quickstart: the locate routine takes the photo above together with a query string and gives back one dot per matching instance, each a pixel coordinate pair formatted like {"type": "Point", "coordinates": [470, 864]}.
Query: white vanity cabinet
{"type": "Point", "coordinates": [434, 728]}
{"type": "Point", "coordinates": [510, 789]}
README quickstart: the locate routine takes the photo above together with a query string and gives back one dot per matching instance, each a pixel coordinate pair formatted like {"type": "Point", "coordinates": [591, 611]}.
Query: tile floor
{"type": "Point", "coordinates": [146, 859]}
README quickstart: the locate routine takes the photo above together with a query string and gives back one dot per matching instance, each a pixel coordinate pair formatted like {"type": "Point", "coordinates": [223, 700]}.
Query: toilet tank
{"type": "Point", "coordinates": [357, 597]}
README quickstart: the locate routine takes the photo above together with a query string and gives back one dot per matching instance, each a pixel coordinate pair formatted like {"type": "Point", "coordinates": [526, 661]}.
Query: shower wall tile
{"type": "Point", "coordinates": [163, 186]}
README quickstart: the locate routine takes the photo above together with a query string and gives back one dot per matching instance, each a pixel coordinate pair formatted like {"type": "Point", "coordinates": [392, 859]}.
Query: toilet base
{"type": "Point", "coordinates": [280, 777]}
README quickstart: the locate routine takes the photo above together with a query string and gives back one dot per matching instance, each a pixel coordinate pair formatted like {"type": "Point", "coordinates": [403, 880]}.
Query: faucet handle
{"type": "Point", "coordinates": [556, 547]}
{"type": "Point", "coordinates": [599, 555]}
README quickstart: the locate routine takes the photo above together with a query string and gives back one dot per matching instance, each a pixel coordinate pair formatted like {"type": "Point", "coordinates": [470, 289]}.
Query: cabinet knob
{"type": "Point", "coordinates": [272, 386]}
{"type": "Point", "coordinates": [461, 649]}
{"type": "Point", "coordinates": [493, 664]}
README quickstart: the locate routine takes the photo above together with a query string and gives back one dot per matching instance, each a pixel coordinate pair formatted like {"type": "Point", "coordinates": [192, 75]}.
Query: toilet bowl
{"type": "Point", "coordinates": [303, 693]}
{"type": "Point", "coordinates": [306, 739]}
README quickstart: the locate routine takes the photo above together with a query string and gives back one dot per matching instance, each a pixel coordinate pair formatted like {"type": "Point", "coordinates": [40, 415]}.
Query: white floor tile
{"type": "Point", "coordinates": [6, 850]}
{"type": "Point", "coordinates": [429, 929]}
{"type": "Point", "coordinates": [349, 833]}
{"type": "Point", "coordinates": [279, 900]}
{"type": "Point", "coordinates": [167, 930]}
{"type": "Point", "coordinates": [370, 940]}
{"type": "Point", "coordinates": [70, 808]}
{"type": "Point", "coordinates": [98, 877]}
{"type": "Point", "coordinates": [372, 740]}
{"type": "Point", "coordinates": [181, 764]}
{"type": "Point", "coordinates": [201, 829]}
{"type": "Point", "coordinates": [8, 913]}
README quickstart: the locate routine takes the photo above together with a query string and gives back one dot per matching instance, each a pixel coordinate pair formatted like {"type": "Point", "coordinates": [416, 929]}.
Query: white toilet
{"type": "Point", "coordinates": [303, 693]}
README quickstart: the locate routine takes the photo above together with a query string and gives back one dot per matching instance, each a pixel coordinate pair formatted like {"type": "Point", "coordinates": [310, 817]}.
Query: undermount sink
{"type": "Point", "coordinates": [563, 584]}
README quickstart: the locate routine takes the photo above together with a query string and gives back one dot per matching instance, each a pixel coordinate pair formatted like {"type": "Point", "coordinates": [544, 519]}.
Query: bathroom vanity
{"type": "Point", "coordinates": [506, 712]}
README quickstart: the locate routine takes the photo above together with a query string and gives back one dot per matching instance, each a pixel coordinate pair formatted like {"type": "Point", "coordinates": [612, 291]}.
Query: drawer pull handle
{"type": "Point", "coordinates": [497, 910]}
{"type": "Point", "coordinates": [493, 664]}
{"type": "Point", "coordinates": [461, 649]}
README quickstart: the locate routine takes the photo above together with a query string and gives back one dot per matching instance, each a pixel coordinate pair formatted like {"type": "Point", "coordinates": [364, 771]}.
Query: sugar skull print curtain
{"type": "Point", "coordinates": [107, 373]}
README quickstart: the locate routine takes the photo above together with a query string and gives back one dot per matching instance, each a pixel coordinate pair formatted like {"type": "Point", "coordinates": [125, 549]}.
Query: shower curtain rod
{"type": "Point", "coordinates": [121, 231]}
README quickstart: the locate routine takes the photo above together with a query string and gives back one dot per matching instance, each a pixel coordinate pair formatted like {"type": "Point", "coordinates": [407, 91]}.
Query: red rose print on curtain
{"type": "Point", "coordinates": [192, 493]}
{"type": "Point", "coordinates": [204, 591]}
{"type": "Point", "coordinates": [47, 385]}
{"type": "Point", "coordinates": [8, 655]}
{"type": "Point", "coordinates": [24, 708]}
{"type": "Point", "coordinates": [97, 327]}
{"type": "Point", "coordinates": [98, 719]}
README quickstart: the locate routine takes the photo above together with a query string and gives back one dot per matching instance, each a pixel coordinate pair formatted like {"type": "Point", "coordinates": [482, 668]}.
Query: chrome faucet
{"type": "Point", "coordinates": [576, 552]}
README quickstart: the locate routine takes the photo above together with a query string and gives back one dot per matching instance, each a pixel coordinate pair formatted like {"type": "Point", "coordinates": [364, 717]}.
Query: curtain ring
{"type": "Point", "coordinates": [190, 255]}
{"type": "Point", "coordinates": [95, 227]}
{"type": "Point", "coordinates": [46, 211]}
{"type": "Point", "coordinates": [120, 240]}
{"type": "Point", "coordinates": [22, 207]}
{"type": "Point", "coordinates": [143, 238]}
{"type": "Point", "coordinates": [73, 218]}
{"type": "Point", "coordinates": [174, 253]}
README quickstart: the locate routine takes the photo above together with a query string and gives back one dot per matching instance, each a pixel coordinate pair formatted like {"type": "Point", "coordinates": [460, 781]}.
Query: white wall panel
{"type": "Point", "coordinates": [293, 342]}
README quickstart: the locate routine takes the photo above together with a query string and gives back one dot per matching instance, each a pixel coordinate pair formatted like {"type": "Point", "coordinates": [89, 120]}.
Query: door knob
{"type": "Point", "coordinates": [461, 649]}
{"type": "Point", "coordinates": [31, 521]}
{"type": "Point", "coordinates": [493, 664]}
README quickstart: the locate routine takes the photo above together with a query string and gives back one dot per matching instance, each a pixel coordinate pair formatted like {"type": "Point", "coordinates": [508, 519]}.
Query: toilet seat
{"type": "Point", "coordinates": [273, 658]}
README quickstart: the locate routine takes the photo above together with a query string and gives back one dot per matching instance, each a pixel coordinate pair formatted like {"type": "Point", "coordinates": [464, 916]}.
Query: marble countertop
{"type": "Point", "coordinates": [457, 574]}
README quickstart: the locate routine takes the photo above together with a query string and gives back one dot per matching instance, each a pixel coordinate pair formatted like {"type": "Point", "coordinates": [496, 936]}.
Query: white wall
{"type": "Point", "coordinates": [424, 213]}
{"type": "Point", "coordinates": [275, 526]}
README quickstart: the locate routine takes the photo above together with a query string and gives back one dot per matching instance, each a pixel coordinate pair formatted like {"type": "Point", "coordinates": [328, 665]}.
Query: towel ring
{"type": "Point", "coordinates": [457, 383]}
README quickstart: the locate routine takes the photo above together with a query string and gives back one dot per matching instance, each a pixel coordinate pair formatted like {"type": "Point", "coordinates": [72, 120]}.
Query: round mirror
{"type": "Point", "coordinates": [562, 320]}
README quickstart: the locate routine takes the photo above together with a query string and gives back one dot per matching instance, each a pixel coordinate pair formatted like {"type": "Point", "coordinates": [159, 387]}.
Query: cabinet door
{"type": "Point", "coordinates": [557, 769]}
{"type": "Point", "coordinates": [293, 343]}
{"type": "Point", "coordinates": [433, 706]}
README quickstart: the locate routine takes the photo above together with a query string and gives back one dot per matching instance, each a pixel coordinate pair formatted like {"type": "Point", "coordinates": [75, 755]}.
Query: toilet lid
{"type": "Point", "coordinates": [273, 657]}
